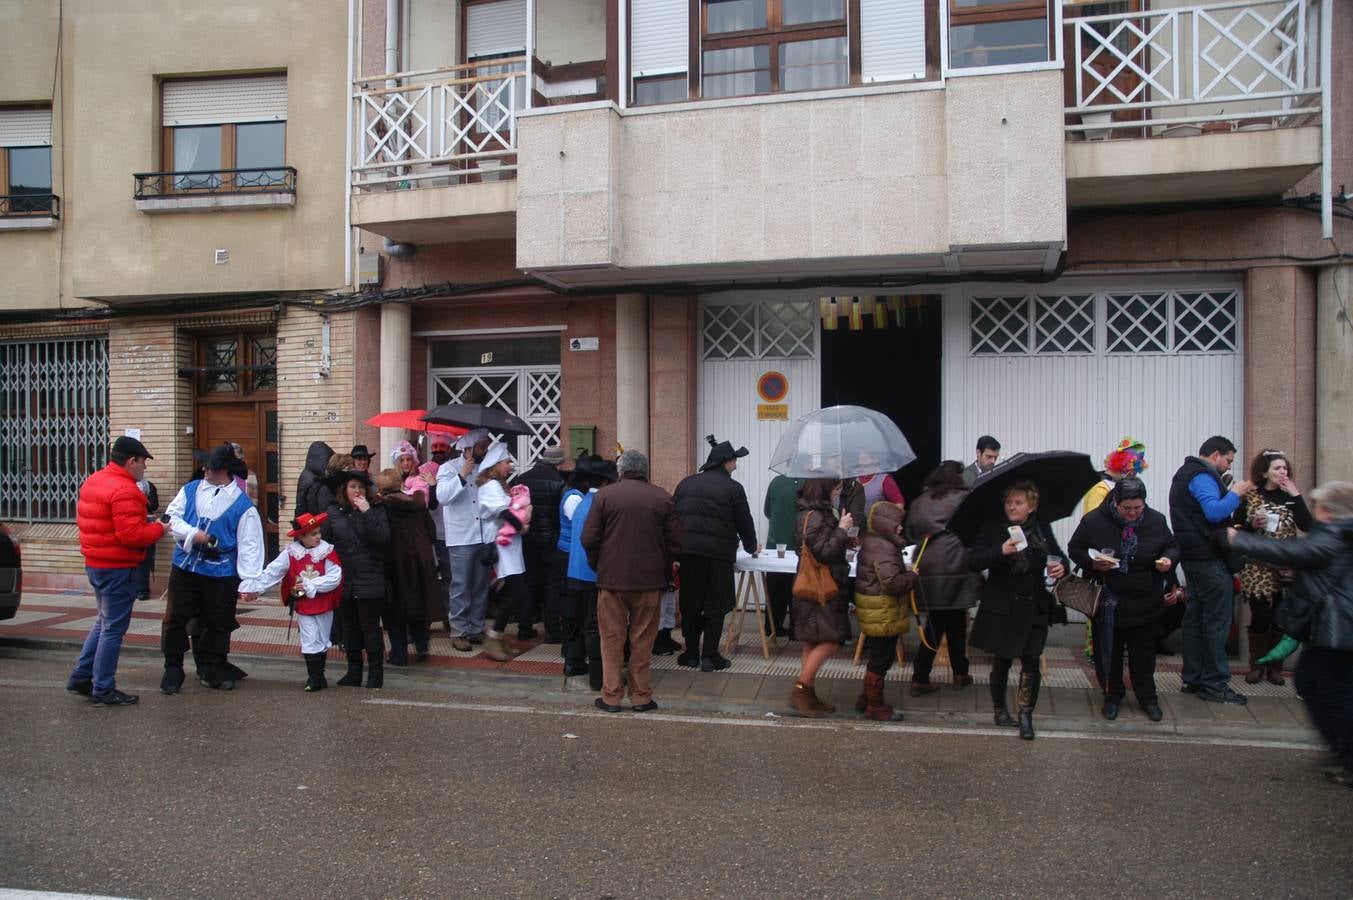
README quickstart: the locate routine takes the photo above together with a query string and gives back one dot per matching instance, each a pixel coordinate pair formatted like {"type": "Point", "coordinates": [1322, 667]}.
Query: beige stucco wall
{"type": "Point", "coordinates": [979, 162]}
{"type": "Point", "coordinates": [113, 53]}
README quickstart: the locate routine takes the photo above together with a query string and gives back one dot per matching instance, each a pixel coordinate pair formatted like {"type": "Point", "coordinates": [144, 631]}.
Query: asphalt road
{"type": "Point", "coordinates": [268, 791]}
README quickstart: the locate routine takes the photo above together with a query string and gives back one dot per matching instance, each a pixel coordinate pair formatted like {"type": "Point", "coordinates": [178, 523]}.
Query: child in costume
{"type": "Point", "coordinates": [519, 505]}
{"type": "Point", "coordinates": [312, 585]}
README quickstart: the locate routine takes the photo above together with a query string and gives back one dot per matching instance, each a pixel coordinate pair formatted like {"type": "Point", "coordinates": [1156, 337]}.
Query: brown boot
{"type": "Point", "coordinates": [822, 706]}
{"type": "Point", "coordinates": [803, 702]}
{"type": "Point", "coordinates": [1275, 674]}
{"type": "Point", "coordinates": [877, 709]}
{"type": "Point", "coordinates": [1258, 647]}
{"type": "Point", "coordinates": [495, 647]}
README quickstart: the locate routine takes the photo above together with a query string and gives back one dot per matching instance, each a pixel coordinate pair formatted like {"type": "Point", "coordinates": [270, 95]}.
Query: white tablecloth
{"type": "Point", "coordinates": [768, 561]}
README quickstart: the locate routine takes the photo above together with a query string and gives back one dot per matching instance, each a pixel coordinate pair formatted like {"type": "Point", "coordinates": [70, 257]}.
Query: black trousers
{"type": "Point", "coordinates": [1139, 643]}
{"type": "Point", "coordinates": [780, 600]}
{"type": "Point", "coordinates": [706, 597]}
{"type": "Point", "coordinates": [212, 602]}
{"type": "Point", "coordinates": [545, 567]}
{"type": "Point", "coordinates": [881, 652]}
{"type": "Point", "coordinates": [1261, 611]}
{"type": "Point", "coordinates": [1325, 684]}
{"type": "Point", "coordinates": [361, 617]}
{"type": "Point", "coordinates": [511, 594]}
{"type": "Point", "coordinates": [951, 625]}
{"type": "Point", "coordinates": [582, 637]}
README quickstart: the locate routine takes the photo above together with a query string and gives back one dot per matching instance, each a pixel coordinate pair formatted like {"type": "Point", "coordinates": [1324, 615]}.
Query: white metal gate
{"type": "Point", "coordinates": [532, 392]}
{"type": "Point", "coordinates": [741, 339]}
{"type": "Point", "coordinates": [1078, 365]}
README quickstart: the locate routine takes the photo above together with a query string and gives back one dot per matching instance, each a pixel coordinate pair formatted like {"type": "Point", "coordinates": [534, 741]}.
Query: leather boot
{"type": "Point", "coordinates": [353, 677]}
{"type": "Point", "coordinates": [824, 707]}
{"type": "Point", "coordinates": [1027, 697]}
{"type": "Point", "coordinates": [690, 657]}
{"type": "Point", "coordinates": [172, 681]}
{"type": "Point", "coordinates": [495, 646]}
{"type": "Point", "coordinates": [877, 709]}
{"type": "Point", "coordinates": [1259, 645]}
{"type": "Point", "coordinates": [710, 658]}
{"type": "Point", "coordinates": [314, 667]}
{"type": "Point", "coordinates": [803, 701]}
{"type": "Point", "coordinates": [374, 640]}
{"type": "Point", "coordinates": [999, 682]}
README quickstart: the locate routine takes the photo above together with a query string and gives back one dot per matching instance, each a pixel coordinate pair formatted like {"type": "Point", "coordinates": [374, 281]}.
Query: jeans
{"type": "Point", "coordinates": [1325, 683]}
{"type": "Point", "coordinates": [115, 592]}
{"type": "Point", "coordinates": [1207, 621]}
{"type": "Point", "coordinates": [469, 590]}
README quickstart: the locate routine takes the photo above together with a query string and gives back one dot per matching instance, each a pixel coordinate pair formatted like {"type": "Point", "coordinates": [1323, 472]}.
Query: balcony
{"type": "Point", "coordinates": [214, 190]}
{"type": "Point", "coordinates": [1193, 103]}
{"type": "Point", "coordinates": [29, 212]}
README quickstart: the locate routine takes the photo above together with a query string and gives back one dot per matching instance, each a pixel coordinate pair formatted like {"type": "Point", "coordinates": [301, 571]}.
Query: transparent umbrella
{"type": "Point", "coordinates": [841, 442]}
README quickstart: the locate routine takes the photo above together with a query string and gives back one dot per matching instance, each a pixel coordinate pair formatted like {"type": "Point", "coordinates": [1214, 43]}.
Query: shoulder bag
{"type": "Point", "coordinates": [813, 581]}
{"type": "Point", "coordinates": [1080, 594]}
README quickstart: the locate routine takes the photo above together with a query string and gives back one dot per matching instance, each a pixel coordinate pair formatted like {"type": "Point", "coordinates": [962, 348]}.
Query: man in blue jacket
{"type": "Point", "coordinates": [1201, 507]}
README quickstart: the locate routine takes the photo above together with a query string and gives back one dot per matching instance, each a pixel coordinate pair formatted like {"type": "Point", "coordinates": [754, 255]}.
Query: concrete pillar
{"type": "Point", "coordinates": [1334, 374]}
{"type": "Point", "coordinates": [395, 342]}
{"type": "Point", "coordinates": [673, 368]}
{"type": "Point", "coordinates": [631, 371]}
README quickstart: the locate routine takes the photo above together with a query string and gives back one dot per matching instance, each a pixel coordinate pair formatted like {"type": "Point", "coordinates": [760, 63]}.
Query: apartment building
{"type": "Point", "coordinates": [638, 222]}
{"type": "Point", "coordinates": [1054, 223]}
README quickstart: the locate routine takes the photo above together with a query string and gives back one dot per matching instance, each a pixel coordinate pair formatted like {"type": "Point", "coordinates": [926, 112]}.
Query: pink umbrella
{"type": "Point", "coordinates": [412, 420]}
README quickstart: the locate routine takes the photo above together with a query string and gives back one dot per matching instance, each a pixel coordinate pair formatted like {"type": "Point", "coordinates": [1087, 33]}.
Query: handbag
{"type": "Point", "coordinates": [1080, 594]}
{"type": "Point", "coordinates": [487, 554]}
{"type": "Point", "coordinates": [813, 581]}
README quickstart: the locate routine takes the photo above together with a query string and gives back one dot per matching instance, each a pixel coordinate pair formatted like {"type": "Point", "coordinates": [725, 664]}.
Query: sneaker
{"type": "Point", "coordinates": [1225, 695]}
{"type": "Point", "coordinates": [1190, 688]}
{"type": "Point", "coordinates": [1153, 712]}
{"type": "Point", "coordinates": [83, 688]}
{"type": "Point", "coordinates": [114, 698]}
{"type": "Point", "coordinates": [715, 663]}
{"type": "Point", "coordinates": [461, 644]}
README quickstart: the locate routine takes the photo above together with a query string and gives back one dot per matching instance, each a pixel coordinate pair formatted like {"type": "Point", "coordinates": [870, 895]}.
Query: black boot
{"type": "Point", "coordinates": [172, 680]}
{"type": "Point", "coordinates": [999, 681]}
{"type": "Point", "coordinates": [690, 657]}
{"type": "Point", "coordinates": [1028, 699]}
{"type": "Point", "coordinates": [375, 658]}
{"type": "Point", "coordinates": [353, 677]}
{"type": "Point", "coordinates": [314, 667]}
{"type": "Point", "coordinates": [710, 658]}
{"type": "Point", "coordinates": [663, 645]}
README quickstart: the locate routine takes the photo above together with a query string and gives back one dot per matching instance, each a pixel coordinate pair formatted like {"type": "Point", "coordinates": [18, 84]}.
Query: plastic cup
{"type": "Point", "coordinates": [853, 531]}
{"type": "Point", "coordinates": [1271, 522]}
{"type": "Point", "coordinates": [780, 550]}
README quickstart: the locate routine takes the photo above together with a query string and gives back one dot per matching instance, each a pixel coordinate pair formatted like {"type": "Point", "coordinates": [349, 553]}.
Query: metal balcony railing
{"type": "Point", "coordinates": [18, 206]}
{"type": "Point", "coordinates": [1252, 62]}
{"type": "Point", "coordinates": [273, 180]}
{"type": "Point", "coordinates": [451, 122]}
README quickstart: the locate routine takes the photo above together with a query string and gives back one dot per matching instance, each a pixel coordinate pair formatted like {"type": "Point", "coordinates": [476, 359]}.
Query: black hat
{"type": "Point", "coordinates": [596, 466]}
{"type": "Point", "coordinates": [336, 480]}
{"type": "Point", "coordinates": [130, 446]}
{"type": "Point", "coordinates": [360, 452]}
{"type": "Point", "coordinates": [221, 459]}
{"type": "Point", "coordinates": [721, 452]}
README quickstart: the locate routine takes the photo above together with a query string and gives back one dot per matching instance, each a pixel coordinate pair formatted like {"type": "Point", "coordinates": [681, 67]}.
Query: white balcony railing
{"type": "Point", "coordinates": [447, 123]}
{"type": "Point", "coordinates": [1225, 62]}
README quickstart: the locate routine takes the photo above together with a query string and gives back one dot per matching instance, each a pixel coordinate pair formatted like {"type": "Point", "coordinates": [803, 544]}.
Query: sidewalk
{"type": "Point", "coordinates": [752, 686]}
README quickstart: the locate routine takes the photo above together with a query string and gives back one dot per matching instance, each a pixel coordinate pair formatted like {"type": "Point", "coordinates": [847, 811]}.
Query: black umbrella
{"type": "Point", "coordinates": [476, 415]}
{"type": "Point", "coordinates": [1062, 478]}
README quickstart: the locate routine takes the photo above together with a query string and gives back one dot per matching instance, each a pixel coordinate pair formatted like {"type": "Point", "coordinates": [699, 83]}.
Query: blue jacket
{"type": "Point", "coordinates": [578, 569]}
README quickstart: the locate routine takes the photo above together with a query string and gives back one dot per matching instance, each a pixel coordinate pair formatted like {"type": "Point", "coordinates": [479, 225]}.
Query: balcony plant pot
{"type": "Point", "coordinates": [1217, 128]}
{"type": "Point", "coordinates": [1260, 124]}
{"type": "Point", "coordinates": [1097, 118]}
{"type": "Point", "coordinates": [1180, 131]}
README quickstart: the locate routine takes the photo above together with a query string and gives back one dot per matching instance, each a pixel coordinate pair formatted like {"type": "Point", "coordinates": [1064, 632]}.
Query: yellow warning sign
{"type": "Point", "coordinates": [772, 412]}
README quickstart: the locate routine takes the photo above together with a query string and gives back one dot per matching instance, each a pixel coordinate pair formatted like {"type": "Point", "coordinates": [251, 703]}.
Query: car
{"type": "Point", "coordinates": [11, 573]}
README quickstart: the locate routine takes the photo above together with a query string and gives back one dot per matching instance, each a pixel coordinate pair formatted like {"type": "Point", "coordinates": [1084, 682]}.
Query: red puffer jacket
{"type": "Point", "coordinates": [111, 516]}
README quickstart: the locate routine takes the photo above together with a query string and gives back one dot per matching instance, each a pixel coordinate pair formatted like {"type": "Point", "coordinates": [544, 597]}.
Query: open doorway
{"type": "Point", "coordinates": [892, 366]}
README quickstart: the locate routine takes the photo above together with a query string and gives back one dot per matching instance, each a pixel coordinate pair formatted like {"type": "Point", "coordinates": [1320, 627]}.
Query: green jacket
{"type": "Point", "coordinates": [779, 509]}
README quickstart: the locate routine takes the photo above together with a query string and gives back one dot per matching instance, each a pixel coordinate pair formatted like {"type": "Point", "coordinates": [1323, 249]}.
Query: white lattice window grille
{"type": "Point", "coordinates": [780, 329]}
{"type": "Point", "coordinates": [1138, 323]}
{"type": "Point", "coordinates": [1247, 50]}
{"type": "Point", "coordinates": [1064, 324]}
{"type": "Point", "coordinates": [535, 393]}
{"type": "Point", "coordinates": [53, 425]}
{"type": "Point", "coordinates": [998, 325]}
{"type": "Point", "coordinates": [1205, 321]}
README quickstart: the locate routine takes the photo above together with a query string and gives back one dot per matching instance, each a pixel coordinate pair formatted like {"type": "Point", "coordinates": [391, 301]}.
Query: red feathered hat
{"type": "Point", "coordinates": [306, 522]}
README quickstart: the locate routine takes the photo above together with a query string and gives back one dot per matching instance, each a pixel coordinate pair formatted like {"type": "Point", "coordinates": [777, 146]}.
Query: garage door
{"type": "Point", "coordinates": [1077, 366]}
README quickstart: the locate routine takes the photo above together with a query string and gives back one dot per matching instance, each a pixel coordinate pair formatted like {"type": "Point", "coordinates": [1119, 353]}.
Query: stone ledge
{"type": "Point", "coordinates": [215, 202]}
{"type": "Point", "coordinates": [28, 223]}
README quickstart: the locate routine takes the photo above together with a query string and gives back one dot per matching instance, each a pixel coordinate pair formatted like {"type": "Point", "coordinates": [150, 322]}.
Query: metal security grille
{"type": "Point", "coordinates": [532, 392]}
{"type": "Point", "coordinates": [780, 330]}
{"type": "Point", "coordinates": [53, 425]}
{"type": "Point", "coordinates": [1159, 321]}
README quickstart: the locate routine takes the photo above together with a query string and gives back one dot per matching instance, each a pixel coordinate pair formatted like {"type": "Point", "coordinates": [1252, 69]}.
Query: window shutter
{"type": "Point", "coordinates": [215, 101]}
{"type": "Point", "coordinates": [25, 127]}
{"type": "Point", "coordinates": [659, 36]}
{"type": "Point", "coordinates": [892, 39]}
{"type": "Point", "coordinates": [494, 28]}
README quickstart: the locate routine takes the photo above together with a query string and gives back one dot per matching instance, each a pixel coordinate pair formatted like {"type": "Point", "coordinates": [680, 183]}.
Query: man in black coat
{"type": "Point", "coordinates": [312, 493]}
{"type": "Point", "coordinates": [714, 516]}
{"type": "Point", "coordinates": [545, 562]}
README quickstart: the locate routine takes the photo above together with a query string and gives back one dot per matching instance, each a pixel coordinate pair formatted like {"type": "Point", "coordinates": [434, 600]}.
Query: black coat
{"type": "Point", "coordinates": [1141, 589]}
{"type": "Point", "coordinates": [1319, 608]}
{"type": "Point", "coordinates": [312, 493]}
{"type": "Point", "coordinates": [946, 582]}
{"type": "Point", "coordinates": [361, 539]}
{"type": "Point", "coordinates": [547, 488]}
{"type": "Point", "coordinates": [410, 561]}
{"type": "Point", "coordinates": [714, 516]}
{"type": "Point", "coordinates": [1014, 608]}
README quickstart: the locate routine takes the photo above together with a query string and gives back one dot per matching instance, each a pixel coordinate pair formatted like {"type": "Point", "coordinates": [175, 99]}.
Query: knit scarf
{"type": "Point", "coordinates": [1108, 600]}
{"type": "Point", "coordinates": [1128, 551]}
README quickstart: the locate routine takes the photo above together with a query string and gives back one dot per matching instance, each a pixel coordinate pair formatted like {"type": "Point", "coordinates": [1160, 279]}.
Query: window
{"type": "Point", "coordinates": [53, 425]}
{"type": "Point", "coordinates": [762, 46]}
{"type": "Point", "coordinates": [26, 162]}
{"type": "Point", "coordinates": [766, 330]}
{"type": "Point", "coordinates": [497, 31]}
{"type": "Point", "coordinates": [659, 50]}
{"type": "Point", "coordinates": [997, 33]}
{"type": "Point", "coordinates": [236, 364]}
{"type": "Point", "coordinates": [660, 89]}
{"type": "Point", "coordinates": [226, 134]}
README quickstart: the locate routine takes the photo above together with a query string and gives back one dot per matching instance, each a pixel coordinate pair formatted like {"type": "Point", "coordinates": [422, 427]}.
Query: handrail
{"type": "Point", "coordinates": [418, 73]}
{"type": "Point", "coordinates": [191, 182]}
{"type": "Point", "coordinates": [12, 206]}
